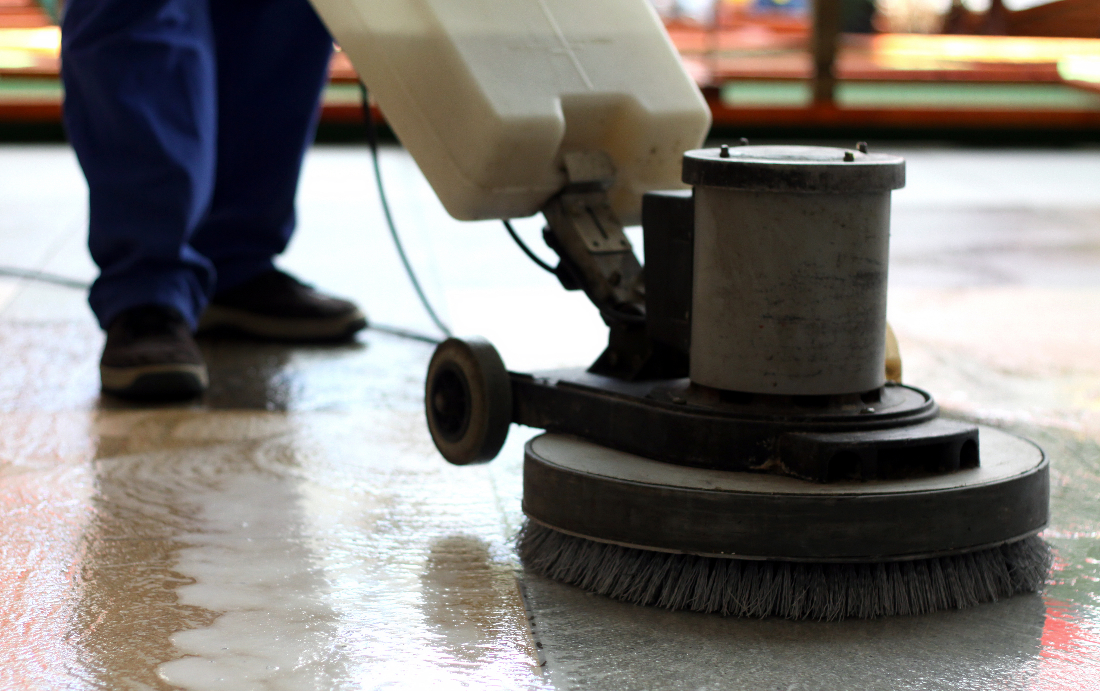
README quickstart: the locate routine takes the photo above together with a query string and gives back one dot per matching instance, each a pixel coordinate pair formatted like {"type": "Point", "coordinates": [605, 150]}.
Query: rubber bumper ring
{"type": "Point", "coordinates": [582, 489]}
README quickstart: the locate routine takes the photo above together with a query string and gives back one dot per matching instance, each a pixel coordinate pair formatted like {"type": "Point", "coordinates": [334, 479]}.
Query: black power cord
{"type": "Point", "coordinates": [372, 140]}
{"type": "Point", "coordinates": [527, 250]}
{"type": "Point", "coordinates": [66, 282]}
{"type": "Point", "coordinates": [608, 313]}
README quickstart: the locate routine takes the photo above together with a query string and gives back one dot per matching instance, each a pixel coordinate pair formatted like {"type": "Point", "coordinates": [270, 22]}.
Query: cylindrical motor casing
{"type": "Point", "coordinates": [790, 268]}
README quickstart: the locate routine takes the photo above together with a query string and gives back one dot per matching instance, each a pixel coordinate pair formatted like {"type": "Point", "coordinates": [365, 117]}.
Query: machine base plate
{"type": "Point", "coordinates": [583, 489]}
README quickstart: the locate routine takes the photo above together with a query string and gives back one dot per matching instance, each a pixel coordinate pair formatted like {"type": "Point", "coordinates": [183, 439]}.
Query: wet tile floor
{"type": "Point", "coordinates": [296, 529]}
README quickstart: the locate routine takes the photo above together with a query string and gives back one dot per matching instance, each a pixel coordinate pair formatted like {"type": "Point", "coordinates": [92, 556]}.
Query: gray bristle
{"type": "Point", "coordinates": [793, 590]}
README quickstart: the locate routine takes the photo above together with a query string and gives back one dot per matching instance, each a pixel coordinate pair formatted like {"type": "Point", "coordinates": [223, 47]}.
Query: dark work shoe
{"type": "Point", "coordinates": [151, 355]}
{"type": "Point", "coordinates": [275, 306]}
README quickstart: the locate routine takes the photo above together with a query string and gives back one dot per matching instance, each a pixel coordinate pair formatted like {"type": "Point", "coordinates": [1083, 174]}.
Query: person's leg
{"type": "Point", "coordinates": [272, 65]}
{"type": "Point", "coordinates": [140, 111]}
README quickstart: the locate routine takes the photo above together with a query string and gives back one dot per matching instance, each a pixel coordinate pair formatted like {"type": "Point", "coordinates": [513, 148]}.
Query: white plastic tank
{"type": "Point", "coordinates": [487, 95]}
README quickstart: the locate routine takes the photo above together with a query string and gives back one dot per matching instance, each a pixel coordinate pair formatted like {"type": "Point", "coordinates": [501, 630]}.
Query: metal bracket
{"type": "Point", "coordinates": [592, 218]}
{"type": "Point", "coordinates": [596, 256]}
{"type": "Point", "coordinates": [589, 238]}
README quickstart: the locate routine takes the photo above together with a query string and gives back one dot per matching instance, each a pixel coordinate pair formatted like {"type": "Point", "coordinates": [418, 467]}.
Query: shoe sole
{"type": "Point", "coordinates": [218, 318]}
{"type": "Point", "coordinates": [172, 382]}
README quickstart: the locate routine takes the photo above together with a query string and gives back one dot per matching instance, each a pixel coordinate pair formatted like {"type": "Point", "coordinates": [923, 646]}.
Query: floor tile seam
{"type": "Point", "coordinates": [531, 621]}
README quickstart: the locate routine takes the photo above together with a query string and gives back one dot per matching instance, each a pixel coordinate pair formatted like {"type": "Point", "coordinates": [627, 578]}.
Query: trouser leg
{"type": "Point", "coordinates": [141, 113]}
{"type": "Point", "coordinates": [272, 65]}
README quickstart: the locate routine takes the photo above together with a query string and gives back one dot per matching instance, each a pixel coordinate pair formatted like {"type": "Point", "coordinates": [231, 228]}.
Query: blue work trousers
{"type": "Point", "coordinates": [190, 119]}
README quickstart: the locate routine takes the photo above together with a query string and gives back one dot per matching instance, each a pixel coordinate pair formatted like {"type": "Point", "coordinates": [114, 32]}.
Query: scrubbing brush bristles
{"type": "Point", "coordinates": [793, 590]}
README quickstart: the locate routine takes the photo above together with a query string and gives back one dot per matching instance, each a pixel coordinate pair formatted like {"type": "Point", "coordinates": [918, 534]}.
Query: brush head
{"type": "Point", "coordinates": [793, 590]}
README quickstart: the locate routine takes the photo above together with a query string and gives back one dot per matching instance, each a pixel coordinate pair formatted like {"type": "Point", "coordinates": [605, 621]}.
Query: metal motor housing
{"type": "Point", "coordinates": [791, 251]}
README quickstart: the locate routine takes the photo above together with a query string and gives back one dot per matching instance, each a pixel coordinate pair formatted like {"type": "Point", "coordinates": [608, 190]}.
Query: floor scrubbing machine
{"type": "Point", "coordinates": [737, 448]}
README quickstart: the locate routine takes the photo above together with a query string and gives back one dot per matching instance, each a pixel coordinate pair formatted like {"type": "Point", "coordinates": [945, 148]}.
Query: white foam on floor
{"type": "Point", "coordinates": [250, 562]}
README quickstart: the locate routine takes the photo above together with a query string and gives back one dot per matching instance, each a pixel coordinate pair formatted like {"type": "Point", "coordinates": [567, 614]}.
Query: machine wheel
{"type": "Point", "coordinates": [468, 400]}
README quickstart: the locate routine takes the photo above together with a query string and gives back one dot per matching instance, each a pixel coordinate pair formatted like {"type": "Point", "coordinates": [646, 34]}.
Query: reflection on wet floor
{"type": "Point", "coordinates": [464, 587]}
{"type": "Point", "coordinates": [198, 548]}
{"type": "Point", "coordinates": [259, 376]}
{"type": "Point", "coordinates": [295, 528]}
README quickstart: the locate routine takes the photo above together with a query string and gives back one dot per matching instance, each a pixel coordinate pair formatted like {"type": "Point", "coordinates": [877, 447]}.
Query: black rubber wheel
{"type": "Point", "coordinates": [468, 400]}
